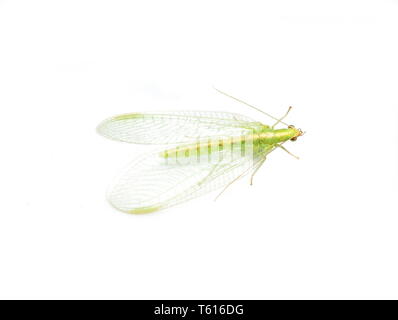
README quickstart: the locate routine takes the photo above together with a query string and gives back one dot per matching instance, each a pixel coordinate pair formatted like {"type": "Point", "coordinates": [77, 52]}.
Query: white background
{"type": "Point", "coordinates": [321, 227]}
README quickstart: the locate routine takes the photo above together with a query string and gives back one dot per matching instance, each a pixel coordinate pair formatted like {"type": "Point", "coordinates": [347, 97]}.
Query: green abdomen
{"type": "Point", "coordinates": [242, 144]}
{"type": "Point", "coordinates": [207, 147]}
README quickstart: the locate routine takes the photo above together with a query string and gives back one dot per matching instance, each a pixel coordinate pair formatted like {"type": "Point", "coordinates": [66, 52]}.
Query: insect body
{"type": "Point", "coordinates": [208, 151]}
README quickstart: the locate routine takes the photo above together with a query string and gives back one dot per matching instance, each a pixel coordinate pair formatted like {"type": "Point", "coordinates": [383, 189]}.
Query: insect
{"type": "Point", "coordinates": [206, 151]}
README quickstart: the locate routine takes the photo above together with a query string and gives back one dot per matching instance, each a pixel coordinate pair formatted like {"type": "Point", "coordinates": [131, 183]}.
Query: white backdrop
{"type": "Point", "coordinates": [321, 227]}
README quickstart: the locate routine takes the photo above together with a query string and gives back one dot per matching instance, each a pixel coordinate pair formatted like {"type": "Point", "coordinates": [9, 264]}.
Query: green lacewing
{"type": "Point", "coordinates": [204, 151]}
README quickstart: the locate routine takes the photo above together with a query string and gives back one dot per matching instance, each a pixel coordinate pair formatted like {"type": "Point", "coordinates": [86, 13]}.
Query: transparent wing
{"type": "Point", "coordinates": [153, 183]}
{"type": "Point", "coordinates": [175, 127]}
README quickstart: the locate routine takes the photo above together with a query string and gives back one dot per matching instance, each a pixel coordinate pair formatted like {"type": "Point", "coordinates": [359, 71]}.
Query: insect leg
{"type": "Point", "coordinates": [261, 162]}
{"type": "Point", "coordinates": [243, 174]}
{"type": "Point", "coordinates": [280, 120]}
{"type": "Point", "coordinates": [226, 187]}
{"type": "Point", "coordinates": [210, 173]}
{"type": "Point", "coordinates": [283, 148]}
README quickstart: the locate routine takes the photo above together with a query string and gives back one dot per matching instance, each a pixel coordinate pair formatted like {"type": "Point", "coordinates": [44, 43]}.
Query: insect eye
{"type": "Point", "coordinates": [293, 139]}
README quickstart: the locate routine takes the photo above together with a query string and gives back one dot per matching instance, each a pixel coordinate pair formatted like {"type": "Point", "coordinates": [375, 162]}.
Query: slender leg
{"type": "Point", "coordinates": [210, 173]}
{"type": "Point", "coordinates": [236, 179]}
{"type": "Point", "coordinates": [280, 120]}
{"type": "Point", "coordinates": [226, 187]}
{"type": "Point", "coordinates": [283, 148]}
{"type": "Point", "coordinates": [256, 169]}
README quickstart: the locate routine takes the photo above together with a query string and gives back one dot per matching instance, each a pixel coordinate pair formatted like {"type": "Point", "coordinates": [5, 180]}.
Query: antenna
{"type": "Point", "coordinates": [251, 106]}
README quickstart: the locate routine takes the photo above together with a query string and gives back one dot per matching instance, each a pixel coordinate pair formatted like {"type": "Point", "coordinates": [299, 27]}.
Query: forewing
{"type": "Point", "coordinates": [152, 183]}
{"type": "Point", "coordinates": [175, 127]}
